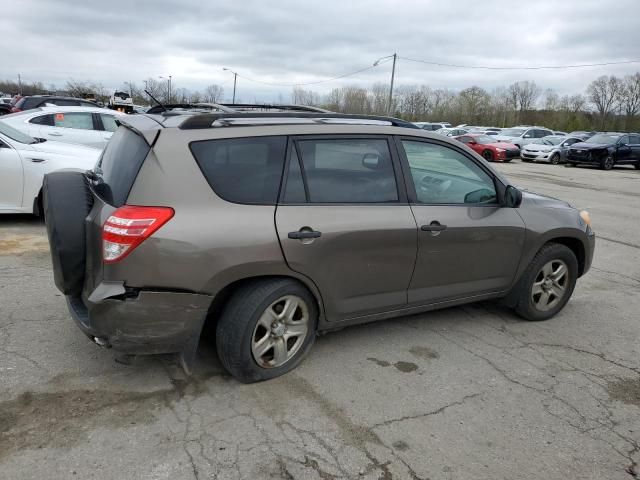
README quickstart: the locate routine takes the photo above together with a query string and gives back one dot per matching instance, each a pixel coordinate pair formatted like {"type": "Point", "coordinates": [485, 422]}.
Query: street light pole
{"type": "Point", "coordinates": [235, 78]}
{"type": "Point", "coordinates": [393, 75]}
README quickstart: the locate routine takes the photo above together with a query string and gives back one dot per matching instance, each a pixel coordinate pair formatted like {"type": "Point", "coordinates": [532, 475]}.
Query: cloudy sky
{"type": "Point", "coordinates": [292, 41]}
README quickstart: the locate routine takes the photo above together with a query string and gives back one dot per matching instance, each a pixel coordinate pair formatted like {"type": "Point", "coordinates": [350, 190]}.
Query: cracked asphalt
{"type": "Point", "coordinates": [462, 393]}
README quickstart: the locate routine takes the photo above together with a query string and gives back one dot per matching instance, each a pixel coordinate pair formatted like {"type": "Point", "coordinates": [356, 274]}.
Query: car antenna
{"type": "Point", "coordinates": [156, 100]}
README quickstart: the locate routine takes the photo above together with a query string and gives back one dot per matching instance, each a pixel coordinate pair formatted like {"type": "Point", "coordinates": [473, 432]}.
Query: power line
{"type": "Point", "coordinates": [296, 84]}
{"type": "Point", "coordinates": [543, 67]}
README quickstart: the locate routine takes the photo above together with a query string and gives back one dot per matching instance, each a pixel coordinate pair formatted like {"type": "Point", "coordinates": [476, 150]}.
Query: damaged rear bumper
{"type": "Point", "coordinates": [147, 322]}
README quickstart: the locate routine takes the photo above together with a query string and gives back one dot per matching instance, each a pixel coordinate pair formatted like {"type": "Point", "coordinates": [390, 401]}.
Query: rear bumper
{"type": "Point", "coordinates": [152, 322]}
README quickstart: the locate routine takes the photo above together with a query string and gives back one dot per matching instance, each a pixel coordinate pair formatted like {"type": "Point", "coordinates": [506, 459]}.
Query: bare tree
{"type": "Point", "coordinates": [551, 100]}
{"type": "Point", "coordinates": [603, 93]}
{"type": "Point", "coordinates": [379, 98]}
{"type": "Point", "coordinates": [155, 88]}
{"type": "Point", "coordinates": [528, 93]}
{"type": "Point", "coordinates": [213, 93]}
{"type": "Point", "coordinates": [300, 96]}
{"type": "Point", "coordinates": [474, 102]}
{"type": "Point", "coordinates": [629, 98]}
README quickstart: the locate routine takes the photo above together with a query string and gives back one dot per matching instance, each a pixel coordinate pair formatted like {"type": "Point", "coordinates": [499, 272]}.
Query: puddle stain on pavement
{"type": "Point", "coordinates": [23, 244]}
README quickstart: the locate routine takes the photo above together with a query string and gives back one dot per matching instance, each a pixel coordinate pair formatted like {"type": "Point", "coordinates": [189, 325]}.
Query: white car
{"type": "Point", "coordinates": [24, 161]}
{"type": "Point", "coordinates": [88, 126]}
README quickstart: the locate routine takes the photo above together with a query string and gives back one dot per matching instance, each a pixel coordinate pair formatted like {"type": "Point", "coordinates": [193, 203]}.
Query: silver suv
{"type": "Point", "coordinates": [273, 227]}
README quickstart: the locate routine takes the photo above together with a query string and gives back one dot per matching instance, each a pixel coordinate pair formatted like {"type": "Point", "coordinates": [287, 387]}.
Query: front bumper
{"type": "Point", "coordinates": [588, 255]}
{"type": "Point", "coordinates": [535, 156]}
{"type": "Point", "coordinates": [149, 323]}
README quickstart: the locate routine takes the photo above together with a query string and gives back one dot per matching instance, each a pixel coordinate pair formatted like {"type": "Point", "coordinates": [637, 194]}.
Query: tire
{"type": "Point", "coordinates": [488, 155]}
{"type": "Point", "coordinates": [607, 163]}
{"type": "Point", "coordinates": [525, 160]}
{"type": "Point", "coordinates": [637, 165]}
{"type": "Point", "coordinates": [67, 201]}
{"type": "Point", "coordinates": [555, 159]}
{"type": "Point", "coordinates": [240, 325]}
{"type": "Point", "coordinates": [528, 304]}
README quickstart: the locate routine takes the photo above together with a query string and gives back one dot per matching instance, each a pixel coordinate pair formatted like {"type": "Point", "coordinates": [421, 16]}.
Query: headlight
{"type": "Point", "coordinates": [586, 218]}
{"type": "Point", "coordinates": [500, 150]}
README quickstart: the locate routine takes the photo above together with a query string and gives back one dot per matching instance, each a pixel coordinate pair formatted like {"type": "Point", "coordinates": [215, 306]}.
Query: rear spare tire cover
{"type": "Point", "coordinates": [67, 201]}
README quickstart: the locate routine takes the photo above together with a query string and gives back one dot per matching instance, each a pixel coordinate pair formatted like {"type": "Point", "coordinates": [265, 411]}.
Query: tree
{"type": "Point", "coordinates": [474, 102]}
{"type": "Point", "coordinates": [603, 93]}
{"type": "Point", "coordinates": [155, 88]}
{"type": "Point", "coordinates": [629, 98]}
{"type": "Point", "coordinates": [213, 93]}
{"type": "Point", "coordinates": [300, 96]}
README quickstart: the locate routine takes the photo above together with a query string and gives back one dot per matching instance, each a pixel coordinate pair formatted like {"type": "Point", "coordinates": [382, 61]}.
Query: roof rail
{"type": "Point", "coordinates": [243, 107]}
{"type": "Point", "coordinates": [188, 106]}
{"type": "Point", "coordinates": [209, 120]}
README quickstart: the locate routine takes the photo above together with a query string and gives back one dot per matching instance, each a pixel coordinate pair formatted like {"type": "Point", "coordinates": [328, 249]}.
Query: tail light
{"type": "Point", "coordinates": [128, 227]}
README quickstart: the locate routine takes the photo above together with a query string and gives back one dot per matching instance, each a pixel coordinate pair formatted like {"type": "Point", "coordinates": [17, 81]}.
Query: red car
{"type": "Point", "coordinates": [489, 148]}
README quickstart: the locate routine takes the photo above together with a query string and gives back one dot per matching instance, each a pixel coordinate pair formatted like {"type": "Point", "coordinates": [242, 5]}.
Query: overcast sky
{"type": "Point", "coordinates": [293, 41]}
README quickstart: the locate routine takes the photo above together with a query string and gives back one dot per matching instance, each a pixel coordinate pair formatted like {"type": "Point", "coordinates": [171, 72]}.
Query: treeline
{"type": "Point", "coordinates": [609, 102]}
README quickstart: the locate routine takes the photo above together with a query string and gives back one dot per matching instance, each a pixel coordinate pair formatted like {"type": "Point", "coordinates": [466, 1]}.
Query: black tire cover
{"type": "Point", "coordinates": [67, 201]}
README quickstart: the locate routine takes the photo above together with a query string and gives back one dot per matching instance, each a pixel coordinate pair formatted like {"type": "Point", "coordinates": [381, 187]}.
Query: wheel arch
{"type": "Point", "coordinates": [226, 292]}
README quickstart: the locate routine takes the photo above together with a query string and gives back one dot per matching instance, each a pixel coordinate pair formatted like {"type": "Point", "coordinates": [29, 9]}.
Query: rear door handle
{"type": "Point", "coordinates": [54, 134]}
{"type": "Point", "coordinates": [434, 226]}
{"type": "Point", "coordinates": [304, 234]}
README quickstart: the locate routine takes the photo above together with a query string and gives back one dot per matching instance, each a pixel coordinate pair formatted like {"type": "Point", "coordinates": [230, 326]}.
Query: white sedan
{"type": "Point", "coordinates": [24, 161]}
{"type": "Point", "coordinates": [88, 126]}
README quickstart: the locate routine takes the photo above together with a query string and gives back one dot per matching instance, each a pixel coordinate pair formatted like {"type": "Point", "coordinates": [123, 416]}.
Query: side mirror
{"type": "Point", "coordinates": [371, 161]}
{"type": "Point", "coordinates": [512, 197]}
{"type": "Point", "coordinates": [472, 142]}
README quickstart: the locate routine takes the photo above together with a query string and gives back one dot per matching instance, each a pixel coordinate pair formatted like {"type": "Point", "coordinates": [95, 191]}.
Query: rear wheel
{"type": "Point", "coordinates": [266, 329]}
{"type": "Point", "coordinates": [607, 163]}
{"type": "Point", "coordinates": [548, 282]}
{"type": "Point", "coordinates": [488, 155]}
{"type": "Point", "coordinates": [555, 159]}
{"type": "Point", "coordinates": [637, 165]}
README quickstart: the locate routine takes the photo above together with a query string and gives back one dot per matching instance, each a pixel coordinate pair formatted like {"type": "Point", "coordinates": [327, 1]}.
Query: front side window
{"type": "Point", "coordinates": [109, 122]}
{"type": "Point", "coordinates": [348, 171]}
{"type": "Point", "coordinates": [624, 140]}
{"type": "Point", "coordinates": [442, 175]}
{"type": "Point", "coordinates": [243, 170]}
{"type": "Point", "coordinates": [80, 121]}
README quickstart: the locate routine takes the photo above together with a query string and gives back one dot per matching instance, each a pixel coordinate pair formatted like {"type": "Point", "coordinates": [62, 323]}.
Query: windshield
{"type": "Point", "coordinates": [513, 132]}
{"type": "Point", "coordinates": [553, 140]}
{"type": "Point", "coordinates": [14, 134]}
{"type": "Point", "coordinates": [601, 138]}
{"type": "Point", "coordinates": [483, 139]}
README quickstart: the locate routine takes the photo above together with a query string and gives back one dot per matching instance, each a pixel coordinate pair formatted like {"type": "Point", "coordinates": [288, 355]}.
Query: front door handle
{"type": "Point", "coordinates": [301, 235]}
{"type": "Point", "coordinates": [434, 226]}
{"type": "Point", "coordinates": [54, 134]}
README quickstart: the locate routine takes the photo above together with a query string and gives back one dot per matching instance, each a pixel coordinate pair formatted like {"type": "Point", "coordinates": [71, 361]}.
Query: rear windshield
{"type": "Point", "coordinates": [119, 165]}
{"type": "Point", "coordinates": [243, 170]}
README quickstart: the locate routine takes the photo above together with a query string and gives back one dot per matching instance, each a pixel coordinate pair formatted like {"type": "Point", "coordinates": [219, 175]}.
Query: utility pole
{"type": "Point", "coordinates": [169, 88]}
{"type": "Point", "coordinates": [393, 74]}
{"type": "Point", "coordinates": [19, 85]}
{"type": "Point", "coordinates": [235, 78]}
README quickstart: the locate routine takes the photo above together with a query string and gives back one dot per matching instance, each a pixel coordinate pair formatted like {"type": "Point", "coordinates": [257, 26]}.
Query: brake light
{"type": "Point", "coordinates": [128, 227]}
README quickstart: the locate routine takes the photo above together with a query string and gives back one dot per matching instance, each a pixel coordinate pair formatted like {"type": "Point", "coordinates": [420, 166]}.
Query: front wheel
{"type": "Point", "coordinates": [548, 282]}
{"type": "Point", "coordinates": [555, 159]}
{"type": "Point", "coordinates": [637, 165]}
{"type": "Point", "coordinates": [266, 329]}
{"type": "Point", "coordinates": [487, 155]}
{"type": "Point", "coordinates": [607, 163]}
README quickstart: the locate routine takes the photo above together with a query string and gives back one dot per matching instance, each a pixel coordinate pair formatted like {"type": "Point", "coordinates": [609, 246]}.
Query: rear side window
{"type": "Point", "coordinates": [64, 103]}
{"type": "Point", "coordinates": [119, 166]}
{"type": "Point", "coordinates": [108, 122]}
{"type": "Point", "coordinates": [243, 170]}
{"type": "Point", "coordinates": [79, 121]}
{"type": "Point", "coordinates": [348, 171]}
{"type": "Point", "coordinates": [43, 120]}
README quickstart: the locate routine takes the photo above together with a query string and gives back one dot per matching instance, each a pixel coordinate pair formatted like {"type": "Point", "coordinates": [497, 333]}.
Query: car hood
{"type": "Point", "coordinates": [66, 149]}
{"type": "Point", "coordinates": [531, 198]}
{"type": "Point", "coordinates": [505, 145]}
{"type": "Point", "coordinates": [504, 138]}
{"type": "Point", "coordinates": [587, 145]}
{"type": "Point", "coordinates": [538, 147]}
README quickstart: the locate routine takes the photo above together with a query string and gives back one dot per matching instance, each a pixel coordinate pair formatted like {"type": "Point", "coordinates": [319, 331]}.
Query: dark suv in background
{"type": "Point", "coordinates": [35, 101]}
{"type": "Point", "coordinates": [607, 150]}
{"type": "Point", "coordinates": [273, 227]}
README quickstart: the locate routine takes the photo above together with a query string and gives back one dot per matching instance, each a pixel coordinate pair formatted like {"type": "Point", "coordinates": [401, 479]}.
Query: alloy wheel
{"type": "Point", "coordinates": [550, 285]}
{"type": "Point", "coordinates": [280, 331]}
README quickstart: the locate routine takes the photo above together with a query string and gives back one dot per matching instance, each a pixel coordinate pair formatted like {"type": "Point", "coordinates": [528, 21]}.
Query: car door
{"type": "Point", "coordinates": [564, 146]}
{"type": "Point", "coordinates": [344, 222]}
{"type": "Point", "coordinates": [623, 150]}
{"type": "Point", "coordinates": [634, 145]}
{"type": "Point", "coordinates": [11, 177]}
{"type": "Point", "coordinates": [73, 127]}
{"type": "Point", "coordinates": [468, 244]}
